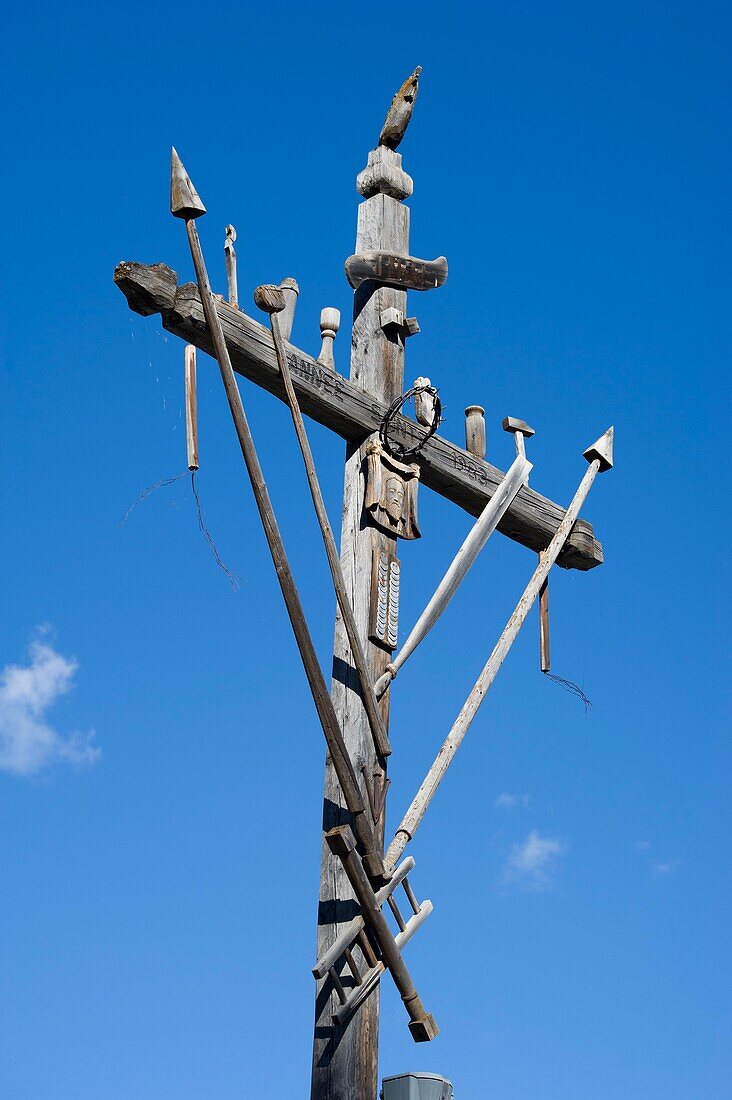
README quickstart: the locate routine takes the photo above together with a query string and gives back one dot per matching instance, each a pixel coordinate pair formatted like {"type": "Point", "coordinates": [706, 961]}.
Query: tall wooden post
{"type": "Point", "coordinates": [345, 1059]}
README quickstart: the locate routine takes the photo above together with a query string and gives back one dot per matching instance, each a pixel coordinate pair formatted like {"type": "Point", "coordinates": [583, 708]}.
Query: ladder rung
{"type": "Point", "coordinates": [397, 915]}
{"type": "Point", "coordinates": [410, 896]}
{"type": "Point", "coordinates": [338, 985]}
{"type": "Point", "coordinates": [371, 978]}
{"type": "Point", "coordinates": [368, 952]}
{"type": "Point", "coordinates": [330, 957]}
{"type": "Point", "coordinates": [353, 967]}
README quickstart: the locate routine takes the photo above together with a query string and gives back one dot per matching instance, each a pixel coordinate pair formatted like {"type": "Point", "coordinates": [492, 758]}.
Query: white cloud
{"type": "Point", "coordinates": [531, 863]}
{"type": "Point", "coordinates": [643, 845]}
{"type": "Point", "coordinates": [507, 801]}
{"type": "Point", "coordinates": [666, 867]}
{"type": "Point", "coordinates": [28, 744]}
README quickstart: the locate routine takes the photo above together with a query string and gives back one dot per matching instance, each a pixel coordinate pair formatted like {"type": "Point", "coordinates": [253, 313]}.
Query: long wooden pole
{"type": "Point", "coordinates": [460, 565]}
{"type": "Point", "coordinates": [342, 764]}
{"type": "Point", "coordinates": [376, 722]}
{"type": "Point", "coordinates": [345, 1057]}
{"type": "Point", "coordinates": [413, 817]}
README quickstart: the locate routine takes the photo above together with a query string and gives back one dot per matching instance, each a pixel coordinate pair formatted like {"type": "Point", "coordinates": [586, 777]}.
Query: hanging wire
{"type": "Point", "coordinates": [149, 491]}
{"type": "Point", "coordinates": [233, 578]}
{"type": "Point", "coordinates": [572, 688]}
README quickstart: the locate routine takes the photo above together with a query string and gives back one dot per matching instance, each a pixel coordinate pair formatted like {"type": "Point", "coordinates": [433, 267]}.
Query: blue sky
{"type": "Point", "coordinates": [161, 762]}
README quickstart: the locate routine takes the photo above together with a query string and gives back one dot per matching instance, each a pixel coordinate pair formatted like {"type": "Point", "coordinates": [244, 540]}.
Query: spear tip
{"type": "Point", "coordinates": [184, 199]}
{"type": "Point", "coordinates": [602, 449]}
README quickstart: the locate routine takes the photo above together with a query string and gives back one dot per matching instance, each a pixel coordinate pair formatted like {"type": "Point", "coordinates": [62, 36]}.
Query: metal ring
{"type": "Point", "coordinates": [396, 450]}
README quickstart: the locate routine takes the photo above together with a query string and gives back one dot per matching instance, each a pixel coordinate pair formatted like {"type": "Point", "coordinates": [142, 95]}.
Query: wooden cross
{"type": "Point", "coordinates": [345, 1049]}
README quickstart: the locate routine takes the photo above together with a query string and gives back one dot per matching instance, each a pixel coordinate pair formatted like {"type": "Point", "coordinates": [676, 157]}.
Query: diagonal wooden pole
{"type": "Point", "coordinates": [272, 301]}
{"type": "Point", "coordinates": [600, 457]}
{"type": "Point", "coordinates": [458, 569]}
{"type": "Point", "coordinates": [185, 204]}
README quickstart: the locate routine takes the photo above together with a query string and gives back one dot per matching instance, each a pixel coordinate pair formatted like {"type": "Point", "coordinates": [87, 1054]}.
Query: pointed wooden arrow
{"type": "Point", "coordinates": [185, 203]}
{"type": "Point", "coordinates": [600, 458]}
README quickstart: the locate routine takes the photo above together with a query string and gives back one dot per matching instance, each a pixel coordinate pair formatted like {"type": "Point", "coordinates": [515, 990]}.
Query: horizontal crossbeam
{"type": "Point", "coordinates": [332, 400]}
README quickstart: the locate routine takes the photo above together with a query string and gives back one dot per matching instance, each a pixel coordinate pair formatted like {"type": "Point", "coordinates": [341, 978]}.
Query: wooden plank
{"type": "Point", "coordinates": [352, 411]}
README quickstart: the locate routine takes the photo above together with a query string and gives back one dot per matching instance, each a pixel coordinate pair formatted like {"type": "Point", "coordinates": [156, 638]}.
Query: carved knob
{"type": "Point", "coordinates": [330, 322]}
{"type": "Point", "coordinates": [269, 298]}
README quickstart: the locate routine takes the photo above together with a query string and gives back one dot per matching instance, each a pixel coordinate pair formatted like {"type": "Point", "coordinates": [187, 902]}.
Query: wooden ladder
{"type": "Point", "coordinates": [380, 948]}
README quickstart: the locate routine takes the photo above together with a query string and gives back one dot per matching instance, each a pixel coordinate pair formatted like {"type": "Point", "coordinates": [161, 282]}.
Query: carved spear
{"type": "Point", "coordinates": [185, 203]}
{"type": "Point", "coordinates": [600, 458]}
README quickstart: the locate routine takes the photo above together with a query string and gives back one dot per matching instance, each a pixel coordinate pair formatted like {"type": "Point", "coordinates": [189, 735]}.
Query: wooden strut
{"type": "Point", "coordinates": [422, 1024]}
{"type": "Point", "coordinates": [458, 569]}
{"type": "Point", "coordinates": [186, 204]}
{"type": "Point", "coordinates": [600, 458]}
{"type": "Point", "coordinates": [376, 722]}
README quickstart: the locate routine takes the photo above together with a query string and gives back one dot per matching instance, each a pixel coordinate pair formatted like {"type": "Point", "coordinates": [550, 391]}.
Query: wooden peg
{"type": "Point", "coordinates": [424, 401]}
{"type": "Point", "coordinates": [191, 407]}
{"type": "Point", "coordinates": [544, 652]}
{"type": "Point", "coordinates": [290, 289]}
{"type": "Point", "coordinates": [330, 322]}
{"type": "Point", "coordinates": [230, 254]}
{"type": "Point", "coordinates": [475, 431]}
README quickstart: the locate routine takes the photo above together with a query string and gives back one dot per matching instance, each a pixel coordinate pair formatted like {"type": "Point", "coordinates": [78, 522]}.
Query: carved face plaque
{"type": "Point", "coordinates": [391, 492]}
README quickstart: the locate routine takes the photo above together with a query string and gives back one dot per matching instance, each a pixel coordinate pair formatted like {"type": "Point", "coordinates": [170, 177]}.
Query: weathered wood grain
{"type": "Point", "coordinates": [475, 431]}
{"type": "Point", "coordinates": [191, 407]}
{"type": "Point", "coordinates": [350, 410]}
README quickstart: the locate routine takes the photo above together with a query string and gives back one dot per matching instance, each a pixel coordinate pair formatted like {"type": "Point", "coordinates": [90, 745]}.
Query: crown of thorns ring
{"type": "Point", "coordinates": [398, 450]}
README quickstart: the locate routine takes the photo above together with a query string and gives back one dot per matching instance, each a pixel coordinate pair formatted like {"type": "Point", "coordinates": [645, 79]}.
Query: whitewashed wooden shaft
{"type": "Point", "coordinates": [482, 529]}
{"type": "Point", "coordinates": [436, 774]}
{"type": "Point", "coordinates": [191, 407]}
